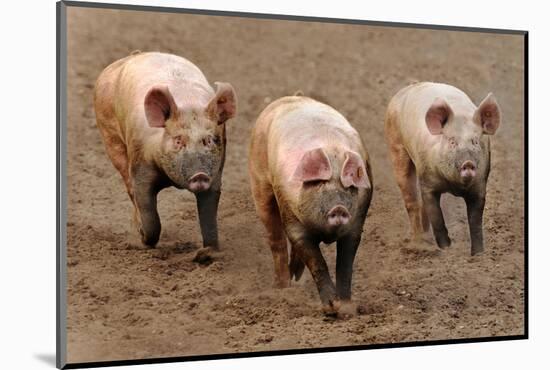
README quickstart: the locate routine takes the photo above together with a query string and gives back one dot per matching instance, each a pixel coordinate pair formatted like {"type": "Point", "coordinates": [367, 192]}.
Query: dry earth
{"type": "Point", "coordinates": [130, 303]}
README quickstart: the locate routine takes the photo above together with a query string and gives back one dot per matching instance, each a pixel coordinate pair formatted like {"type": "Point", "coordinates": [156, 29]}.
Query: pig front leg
{"type": "Point", "coordinates": [431, 201]}
{"type": "Point", "coordinates": [207, 205]}
{"type": "Point", "coordinates": [346, 249]}
{"type": "Point", "coordinates": [475, 204]}
{"type": "Point", "coordinates": [145, 196]}
{"type": "Point", "coordinates": [311, 255]}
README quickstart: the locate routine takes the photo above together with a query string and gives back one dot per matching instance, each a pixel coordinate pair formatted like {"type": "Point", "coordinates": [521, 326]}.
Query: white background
{"type": "Point", "coordinates": [27, 183]}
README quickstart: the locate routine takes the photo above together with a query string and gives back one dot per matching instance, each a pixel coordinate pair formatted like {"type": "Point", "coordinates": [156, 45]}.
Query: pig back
{"type": "Point", "coordinates": [410, 106]}
{"type": "Point", "coordinates": [300, 125]}
{"type": "Point", "coordinates": [141, 72]}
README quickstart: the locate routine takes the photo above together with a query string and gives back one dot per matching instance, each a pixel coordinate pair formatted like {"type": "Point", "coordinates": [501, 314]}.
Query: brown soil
{"type": "Point", "coordinates": [127, 302]}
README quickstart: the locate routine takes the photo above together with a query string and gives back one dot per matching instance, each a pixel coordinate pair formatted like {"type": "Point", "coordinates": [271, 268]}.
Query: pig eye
{"type": "Point", "coordinates": [475, 141]}
{"type": "Point", "coordinates": [314, 183]}
{"type": "Point", "coordinates": [452, 142]}
{"type": "Point", "coordinates": [178, 142]}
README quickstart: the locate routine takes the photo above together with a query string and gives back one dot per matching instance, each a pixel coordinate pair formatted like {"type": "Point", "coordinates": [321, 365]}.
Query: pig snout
{"type": "Point", "coordinates": [338, 215]}
{"type": "Point", "coordinates": [199, 182]}
{"type": "Point", "coordinates": [468, 170]}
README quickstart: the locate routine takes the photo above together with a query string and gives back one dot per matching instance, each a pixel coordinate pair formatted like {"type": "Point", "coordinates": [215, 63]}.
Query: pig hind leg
{"type": "Point", "coordinates": [116, 150]}
{"type": "Point", "coordinates": [296, 265]}
{"type": "Point", "coordinates": [405, 174]}
{"type": "Point", "coordinates": [108, 124]}
{"type": "Point", "coordinates": [433, 208]}
{"type": "Point", "coordinates": [117, 153]}
{"type": "Point", "coordinates": [268, 210]}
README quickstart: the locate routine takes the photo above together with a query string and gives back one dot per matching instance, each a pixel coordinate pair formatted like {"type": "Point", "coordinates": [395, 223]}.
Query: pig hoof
{"type": "Point", "coordinates": [331, 309]}
{"type": "Point", "coordinates": [148, 240]}
{"type": "Point", "coordinates": [444, 243]}
{"type": "Point", "coordinates": [296, 268]}
{"type": "Point", "coordinates": [205, 256]}
{"type": "Point", "coordinates": [478, 252]}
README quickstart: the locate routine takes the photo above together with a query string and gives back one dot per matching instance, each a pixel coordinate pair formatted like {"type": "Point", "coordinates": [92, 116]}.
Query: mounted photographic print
{"type": "Point", "coordinates": [236, 184]}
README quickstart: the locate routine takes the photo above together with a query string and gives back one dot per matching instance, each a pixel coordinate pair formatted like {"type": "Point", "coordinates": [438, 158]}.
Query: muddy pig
{"type": "Point", "coordinates": [163, 125]}
{"type": "Point", "coordinates": [439, 139]}
{"type": "Point", "coordinates": [311, 182]}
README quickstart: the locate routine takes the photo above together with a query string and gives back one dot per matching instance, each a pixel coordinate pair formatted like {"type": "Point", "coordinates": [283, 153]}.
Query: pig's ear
{"type": "Point", "coordinates": [354, 172]}
{"type": "Point", "coordinates": [223, 105]}
{"type": "Point", "coordinates": [314, 166]}
{"type": "Point", "coordinates": [437, 116]}
{"type": "Point", "coordinates": [487, 115]}
{"type": "Point", "coordinates": [159, 106]}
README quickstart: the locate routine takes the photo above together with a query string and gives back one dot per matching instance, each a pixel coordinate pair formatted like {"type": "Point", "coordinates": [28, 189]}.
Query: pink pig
{"type": "Point", "coordinates": [439, 139]}
{"type": "Point", "coordinates": [311, 182]}
{"type": "Point", "coordinates": [163, 125]}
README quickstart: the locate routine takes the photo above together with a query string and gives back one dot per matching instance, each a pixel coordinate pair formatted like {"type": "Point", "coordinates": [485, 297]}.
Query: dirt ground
{"type": "Point", "coordinates": [127, 302]}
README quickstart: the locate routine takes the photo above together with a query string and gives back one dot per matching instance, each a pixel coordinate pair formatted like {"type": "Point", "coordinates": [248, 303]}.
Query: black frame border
{"type": "Point", "coordinates": [61, 127]}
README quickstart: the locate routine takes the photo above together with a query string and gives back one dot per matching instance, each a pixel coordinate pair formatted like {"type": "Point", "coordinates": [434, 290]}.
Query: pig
{"type": "Point", "coordinates": [311, 182]}
{"type": "Point", "coordinates": [164, 125]}
{"type": "Point", "coordinates": [439, 143]}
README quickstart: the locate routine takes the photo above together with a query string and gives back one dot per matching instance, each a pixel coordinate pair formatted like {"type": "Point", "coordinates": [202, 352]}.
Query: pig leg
{"type": "Point", "coordinates": [433, 209]}
{"type": "Point", "coordinates": [207, 205]}
{"type": "Point", "coordinates": [116, 150]}
{"type": "Point", "coordinates": [405, 174]}
{"type": "Point", "coordinates": [145, 196]}
{"type": "Point", "coordinates": [425, 219]}
{"type": "Point", "coordinates": [109, 125]}
{"type": "Point", "coordinates": [296, 266]}
{"type": "Point", "coordinates": [311, 255]}
{"type": "Point", "coordinates": [268, 211]}
{"type": "Point", "coordinates": [475, 204]}
{"type": "Point", "coordinates": [345, 255]}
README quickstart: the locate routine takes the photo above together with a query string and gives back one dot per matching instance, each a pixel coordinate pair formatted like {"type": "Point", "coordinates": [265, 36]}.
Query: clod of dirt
{"type": "Point", "coordinates": [205, 256]}
{"type": "Point", "coordinates": [347, 310]}
{"type": "Point", "coordinates": [162, 254]}
{"type": "Point", "coordinates": [265, 339]}
{"type": "Point", "coordinates": [183, 247]}
{"type": "Point", "coordinates": [131, 246]}
{"type": "Point", "coordinates": [362, 309]}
